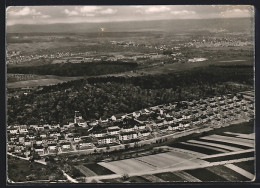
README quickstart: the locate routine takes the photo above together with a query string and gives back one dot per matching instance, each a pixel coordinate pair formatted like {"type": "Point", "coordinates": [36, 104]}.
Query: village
{"type": "Point", "coordinates": [144, 126]}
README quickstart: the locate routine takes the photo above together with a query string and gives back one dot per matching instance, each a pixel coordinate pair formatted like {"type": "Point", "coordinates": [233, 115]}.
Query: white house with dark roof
{"type": "Point", "coordinates": [128, 135]}
{"type": "Point", "coordinates": [144, 133]}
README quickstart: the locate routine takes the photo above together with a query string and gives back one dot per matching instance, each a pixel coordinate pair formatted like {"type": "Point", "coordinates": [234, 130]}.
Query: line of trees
{"type": "Point", "coordinates": [75, 69]}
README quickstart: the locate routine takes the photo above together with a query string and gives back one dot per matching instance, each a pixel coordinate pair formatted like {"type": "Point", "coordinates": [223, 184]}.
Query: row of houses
{"type": "Point", "coordinates": [139, 125]}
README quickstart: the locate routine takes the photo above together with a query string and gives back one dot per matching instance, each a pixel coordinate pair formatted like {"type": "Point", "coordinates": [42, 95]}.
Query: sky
{"type": "Point", "coordinates": [78, 14]}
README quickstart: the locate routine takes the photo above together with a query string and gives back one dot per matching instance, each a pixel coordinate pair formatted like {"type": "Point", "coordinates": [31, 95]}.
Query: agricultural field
{"type": "Point", "coordinates": [98, 169]}
{"type": "Point", "coordinates": [206, 159]}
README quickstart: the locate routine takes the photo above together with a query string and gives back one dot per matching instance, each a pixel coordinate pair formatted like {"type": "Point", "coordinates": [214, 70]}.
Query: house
{"type": "Point", "coordinates": [10, 147]}
{"type": "Point", "coordinates": [195, 113]}
{"type": "Point", "coordinates": [23, 129]}
{"type": "Point", "coordinates": [18, 148]}
{"type": "Point", "coordinates": [175, 126]}
{"type": "Point", "coordinates": [85, 143]}
{"type": "Point", "coordinates": [57, 126]}
{"type": "Point", "coordinates": [128, 135]}
{"type": "Point", "coordinates": [113, 118]}
{"type": "Point", "coordinates": [107, 139]}
{"type": "Point", "coordinates": [185, 123]}
{"type": "Point", "coordinates": [52, 148]}
{"type": "Point", "coordinates": [164, 128]}
{"type": "Point", "coordinates": [39, 128]}
{"type": "Point", "coordinates": [43, 135]}
{"type": "Point", "coordinates": [76, 139]}
{"type": "Point", "coordinates": [38, 141]}
{"type": "Point", "coordinates": [13, 130]}
{"type": "Point", "coordinates": [39, 150]}
{"type": "Point", "coordinates": [144, 133]}
{"type": "Point", "coordinates": [54, 134]}
{"type": "Point", "coordinates": [99, 133]}
{"type": "Point", "coordinates": [214, 107]}
{"type": "Point", "coordinates": [140, 126]}
{"type": "Point", "coordinates": [136, 114]}
{"type": "Point", "coordinates": [203, 111]}
{"type": "Point", "coordinates": [27, 142]}
{"type": "Point", "coordinates": [21, 138]}
{"type": "Point", "coordinates": [113, 130]}
{"type": "Point", "coordinates": [65, 147]}
{"type": "Point", "coordinates": [178, 118]}
{"type": "Point", "coordinates": [159, 122]}
{"type": "Point", "coordinates": [69, 137]}
{"type": "Point", "coordinates": [51, 141]}
{"type": "Point", "coordinates": [93, 123]}
{"type": "Point", "coordinates": [186, 116]}
{"type": "Point", "coordinates": [195, 121]}
{"type": "Point", "coordinates": [169, 119]}
{"type": "Point", "coordinates": [203, 119]}
{"type": "Point", "coordinates": [144, 111]}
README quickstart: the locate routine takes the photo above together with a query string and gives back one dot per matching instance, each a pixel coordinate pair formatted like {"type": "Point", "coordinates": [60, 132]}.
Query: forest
{"type": "Point", "coordinates": [103, 97]}
{"type": "Point", "coordinates": [75, 69]}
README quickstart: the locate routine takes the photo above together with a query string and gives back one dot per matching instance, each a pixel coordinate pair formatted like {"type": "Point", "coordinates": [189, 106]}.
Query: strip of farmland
{"type": "Point", "coordinates": [231, 157]}
{"type": "Point", "coordinates": [226, 173]}
{"type": "Point", "coordinates": [241, 171]}
{"type": "Point", "coordinates": [246, 136]}
{"type": "Point", "coordinates": [215, 145]}
{"type": "Point", "coordinates": [226, 144]}
{"type": "Point", "coordinates": [187, 176]}
{"type": "Point", "coordinates": [86, 171]}
{"type": "Point", "coordinates": [247, 165]}
{"type": "Point", "coordinates": [196, 149]}
{"type": "Point", "coordinates": [152, 178]}
{"type": "Point", "coordinates": [207, 147]}
{"type": "Point", "coordinates": [240, 141]}
{"type": "Point", "coordinates": [169, 177]}
{"type": "Point", "coordinates": [205, 175]}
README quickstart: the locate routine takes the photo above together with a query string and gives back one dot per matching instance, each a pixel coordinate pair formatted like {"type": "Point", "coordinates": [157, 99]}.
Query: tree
{"type": "Point", "coordinates": [125, 177]}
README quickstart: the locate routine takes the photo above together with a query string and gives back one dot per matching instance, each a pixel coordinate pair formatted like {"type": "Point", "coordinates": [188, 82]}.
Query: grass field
{"type": "Point", "coordinates": [98, 169]}
{"type": "Point", "coordinates": [226, 173]}
{"type": "Point", "coordinates": [151, 162]}
{"type": "Point", "coordinates": [247, 165]}
{"type": "Point", "coordinates": [138, 179]}
{"type": "Point", "coordinates": [226, 143]}
{"type": "Point", "coordinates": [205, 175]}
{"type": "Point", "coordinates": [48, 80]}
{"type": "Point", "coordinates": [169, 177]}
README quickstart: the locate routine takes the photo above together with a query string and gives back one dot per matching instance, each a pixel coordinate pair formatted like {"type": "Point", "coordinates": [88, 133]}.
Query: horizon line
{"type": "Point", "coordinates": [127, 21]}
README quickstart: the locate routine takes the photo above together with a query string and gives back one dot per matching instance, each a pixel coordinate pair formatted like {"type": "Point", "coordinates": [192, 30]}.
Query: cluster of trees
{"type": "Point", "coordinates": [99, 98]}
{"type": "Point", "coordinates": [75, 69]}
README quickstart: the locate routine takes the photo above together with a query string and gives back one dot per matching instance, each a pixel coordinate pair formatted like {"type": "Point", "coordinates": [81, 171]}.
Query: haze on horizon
{"type": "Point", "coordinates": [35, 15]}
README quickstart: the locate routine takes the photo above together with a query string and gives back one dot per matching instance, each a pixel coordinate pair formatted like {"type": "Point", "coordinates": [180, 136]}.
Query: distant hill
{"type": "Point", "coordinates": [192, 25]}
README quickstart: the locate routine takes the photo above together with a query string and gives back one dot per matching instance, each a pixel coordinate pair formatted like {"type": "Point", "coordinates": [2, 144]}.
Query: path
{"type": "Point", "coordinates": [69, 178]}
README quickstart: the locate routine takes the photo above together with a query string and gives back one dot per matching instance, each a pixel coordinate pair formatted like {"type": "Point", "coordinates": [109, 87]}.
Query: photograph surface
{"type": "Point", "coordinates": [130, 94]}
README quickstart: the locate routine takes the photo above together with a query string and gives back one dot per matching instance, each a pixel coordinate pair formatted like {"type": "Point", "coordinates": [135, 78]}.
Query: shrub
{"type": "Point", "coordinates": [125, 177]}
